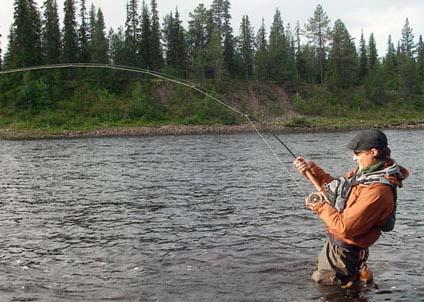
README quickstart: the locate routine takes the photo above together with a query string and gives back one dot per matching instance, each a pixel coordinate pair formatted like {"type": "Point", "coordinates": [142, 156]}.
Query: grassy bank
{"type": "Point", "coordinates": [48, 106]}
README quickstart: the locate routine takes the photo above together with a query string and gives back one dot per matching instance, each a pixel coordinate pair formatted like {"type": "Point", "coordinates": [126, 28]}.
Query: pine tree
{"type": "Point", "coordinates": [407, 41]}
{"type": "Point", "coordinates": [317, 30]}
{"type": "Point", "coordinates": [363, 58]}
{"type": "Point", "coordinates": [70, 37]}
{"type": "Point", "coordinates": [100, 44]}
{"type": "Point", "coordinates": [156, 57]}
{"type": "Point", "coordinates": [83, 35]}
{"type": "Point", "coordinates": [372, 53]}
{"type": "Point", "coordinates": [342, 58]}
{"type": "Point", "coordinates": [51, 43]}
{"type": "Point", "coordinates": [144, 49]}
{"type": "Point", "coordinates": [25, 35]}
{"type": "Point", "coordinates": [246, 46]}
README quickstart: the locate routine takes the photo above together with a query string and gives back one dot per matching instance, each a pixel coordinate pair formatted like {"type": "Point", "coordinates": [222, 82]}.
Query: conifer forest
{"type": "Point", "coordinates": [314, 69]}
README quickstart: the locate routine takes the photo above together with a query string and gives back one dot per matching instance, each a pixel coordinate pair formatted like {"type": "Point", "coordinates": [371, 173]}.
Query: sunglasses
{"type": "Point", "coordinates": [357, 153]}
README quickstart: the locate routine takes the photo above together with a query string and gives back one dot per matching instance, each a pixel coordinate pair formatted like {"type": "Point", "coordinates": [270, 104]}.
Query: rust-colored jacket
{"type": "Point", "coordinates": [368, 208]}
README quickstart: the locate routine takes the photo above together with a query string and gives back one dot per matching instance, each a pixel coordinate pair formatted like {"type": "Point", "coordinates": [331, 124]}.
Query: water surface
{"type": "Point", "coordinates": [187, 218]}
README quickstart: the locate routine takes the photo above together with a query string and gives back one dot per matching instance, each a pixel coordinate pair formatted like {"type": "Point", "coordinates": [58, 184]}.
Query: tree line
{"type": "Point", "coordinates": [317, 53]}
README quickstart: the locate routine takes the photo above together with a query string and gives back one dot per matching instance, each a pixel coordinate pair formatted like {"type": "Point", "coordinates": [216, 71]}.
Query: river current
{"type": "Point", "coordinates": [188, 218]}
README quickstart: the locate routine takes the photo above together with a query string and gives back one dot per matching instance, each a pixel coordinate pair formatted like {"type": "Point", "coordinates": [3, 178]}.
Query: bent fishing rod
{"type": "Point", "coordinates": [250, 119]}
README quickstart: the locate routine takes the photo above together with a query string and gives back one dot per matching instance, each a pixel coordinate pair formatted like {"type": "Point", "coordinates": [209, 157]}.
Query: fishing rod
{"type": "Point", "coordinates": [321, 195]}
{"type": "Point", "coordinates": [250, 119]}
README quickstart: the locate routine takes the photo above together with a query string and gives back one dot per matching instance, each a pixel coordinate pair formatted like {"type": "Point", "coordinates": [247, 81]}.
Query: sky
{"type": "Point", "coordinates": [381, 17]}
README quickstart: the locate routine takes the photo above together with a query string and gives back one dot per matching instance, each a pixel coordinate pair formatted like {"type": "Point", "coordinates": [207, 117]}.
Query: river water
{"type": "Point", "coordinates": [187, 218]}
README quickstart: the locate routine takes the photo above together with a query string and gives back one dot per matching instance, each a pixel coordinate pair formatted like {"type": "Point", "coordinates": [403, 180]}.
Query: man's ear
{"type": "Point", "coordinates": [374, 152]}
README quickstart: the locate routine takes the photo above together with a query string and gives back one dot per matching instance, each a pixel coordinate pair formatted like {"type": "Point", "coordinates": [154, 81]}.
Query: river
{"type": "Point", "coordinates": [188, 218]}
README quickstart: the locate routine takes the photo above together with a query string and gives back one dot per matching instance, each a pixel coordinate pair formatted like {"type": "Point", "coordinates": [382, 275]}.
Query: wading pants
{"type": "Point", "coordinates": [337, 264]}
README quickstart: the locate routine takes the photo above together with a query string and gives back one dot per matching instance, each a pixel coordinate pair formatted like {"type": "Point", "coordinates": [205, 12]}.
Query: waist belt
{"type": "Point", "coordinates": [344, 245]}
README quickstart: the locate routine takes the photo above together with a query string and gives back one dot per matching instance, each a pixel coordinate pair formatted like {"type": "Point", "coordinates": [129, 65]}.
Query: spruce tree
{"type": "Point", "coordinates": [407, 41]}
{"type": "Point", "coordinates": [261, 53]}
{"type": "Point", "coordinates": [420, 59]}
{"type": "Point", "coordinates": [146, 36]}
{"type": "Point", "coordinates": [70, 36]}
{"type": "Point", "coordinates": [91, 23]}
{"type": "Point", "coordinates": [198, 38]}
{"type": "Point", "coordinates": [100, 44]}
{"type": "Point", "coordinates": [1, 57]}
{"type": "Point", "coordinates": [281, 64]}
{"type": "Point", "coordinates": [156, 57]}
{"type": "Point", "coordinates": [171, 35]}
{"type": "Point", "coordinates": [217, 13]}
{"type": "Point", "coordinates": [300, 56]}
{"type": "Point", "coordinates": [317, 30]}
{"type": "Point", "coordinates": [277, 47]}
{"type": "Point", "coordinates": [214, 55]}
{"type": "Point", "coordinates": [391, 66]}
{"type": "Point", "coordinates": [83, 35]}
{"type": "Point", "coordinates": [51, 39]}
{"type": "Point", "coordinates": [132, 33]}
{"type": "Point", "coordinates": [372, 53]}
{"type": "Point", "coordinates": [363, 58]}
{"type": "Point", "coordinates": [246, 46]}
{"type": "Point", "coordinates": [25, 35]}
{"type": "Point", "coordinates": [228, 38]}
{"type": "Point", "coordinates": [117, 46]}
{"type": "Point", "coordinates": [342, 58]}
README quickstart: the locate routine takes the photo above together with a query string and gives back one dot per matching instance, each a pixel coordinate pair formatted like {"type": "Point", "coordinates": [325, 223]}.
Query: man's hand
{"type": "Point", "coordinates": [302, 165]}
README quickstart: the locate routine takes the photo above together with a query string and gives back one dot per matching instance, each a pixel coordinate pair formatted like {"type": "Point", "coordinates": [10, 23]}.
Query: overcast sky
{"type": "Point", "coordinates": [381, 17]}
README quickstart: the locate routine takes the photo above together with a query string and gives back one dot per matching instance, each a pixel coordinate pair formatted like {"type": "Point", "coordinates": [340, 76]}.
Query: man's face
{"type": "Point", "coordinates": [365, 158]}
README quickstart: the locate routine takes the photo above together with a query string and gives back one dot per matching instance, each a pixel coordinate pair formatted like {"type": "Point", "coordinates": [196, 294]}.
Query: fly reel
{"type": "Point", "coordinates": [316, 197]}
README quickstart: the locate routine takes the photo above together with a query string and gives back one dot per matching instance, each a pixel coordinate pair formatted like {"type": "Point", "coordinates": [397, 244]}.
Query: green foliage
{"type": "Point", "coordinates": [33, 94]}
{"type": "Point", "coordinates": [142, 106]}
{"type": "Point", "coordinates": [205, 52]}
{"type": "Point", "coordinates": [298, 122]}
{"type": "Point", "coordinates": [70, 36]}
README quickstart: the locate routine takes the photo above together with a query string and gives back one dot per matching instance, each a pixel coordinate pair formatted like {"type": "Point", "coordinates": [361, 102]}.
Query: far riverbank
{"type": "Point", "coordinates": [294, 126]}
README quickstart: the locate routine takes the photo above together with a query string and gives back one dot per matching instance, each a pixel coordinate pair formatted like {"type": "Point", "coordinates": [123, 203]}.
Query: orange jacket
{"type": "Point", "coordinates": [368, 208]}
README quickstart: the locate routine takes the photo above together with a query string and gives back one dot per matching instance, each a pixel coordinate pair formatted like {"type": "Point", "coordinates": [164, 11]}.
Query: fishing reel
{"type": "Point", "coordinates": [316, 197]}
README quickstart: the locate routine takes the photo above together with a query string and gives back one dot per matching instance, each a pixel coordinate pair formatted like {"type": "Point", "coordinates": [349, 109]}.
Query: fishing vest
{"type": "Point", "coordinates": [339, 189]}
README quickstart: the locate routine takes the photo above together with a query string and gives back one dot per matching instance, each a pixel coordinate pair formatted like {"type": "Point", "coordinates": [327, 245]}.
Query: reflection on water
{"type": "Point", "coordinates": [186, 218]}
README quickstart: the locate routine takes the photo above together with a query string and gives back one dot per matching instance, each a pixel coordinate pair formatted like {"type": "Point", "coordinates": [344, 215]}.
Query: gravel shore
{"type": "Point", "coordinates": [177, 130]}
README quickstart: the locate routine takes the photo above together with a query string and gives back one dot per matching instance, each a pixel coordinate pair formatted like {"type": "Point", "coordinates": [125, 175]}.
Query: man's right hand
{"type": "Point", "coordinates": [302, 165]}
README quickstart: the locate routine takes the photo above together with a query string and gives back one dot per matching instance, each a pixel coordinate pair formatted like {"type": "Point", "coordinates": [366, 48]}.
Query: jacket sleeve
{"type": "Point", "coordinates": [321, 176]}
{"type": "Point", "coordinates": [370, 208]}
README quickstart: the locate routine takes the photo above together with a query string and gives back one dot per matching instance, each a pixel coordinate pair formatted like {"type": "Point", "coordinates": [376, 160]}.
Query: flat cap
{"type": "Point", "coordinates": [368, 139]}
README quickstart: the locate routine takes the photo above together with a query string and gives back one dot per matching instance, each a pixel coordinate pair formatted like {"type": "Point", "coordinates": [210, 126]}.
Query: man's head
{"type": "Point", "coordinates": [369, 146]}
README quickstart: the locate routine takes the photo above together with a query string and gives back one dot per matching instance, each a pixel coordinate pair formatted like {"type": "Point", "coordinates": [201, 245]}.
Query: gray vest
{"type": "Point", "coordinates": [339, 189]}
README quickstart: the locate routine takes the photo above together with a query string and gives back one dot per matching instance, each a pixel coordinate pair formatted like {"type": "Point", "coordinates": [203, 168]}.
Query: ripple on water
{"type": "Point", "coordinates": [190, 218]}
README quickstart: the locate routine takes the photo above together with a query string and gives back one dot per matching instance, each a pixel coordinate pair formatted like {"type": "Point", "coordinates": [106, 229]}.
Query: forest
{"type": "Point", "coordinates": [322, 69]}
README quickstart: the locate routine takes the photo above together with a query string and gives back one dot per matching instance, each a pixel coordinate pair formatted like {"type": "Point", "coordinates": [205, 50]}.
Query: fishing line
{"type": "Point", "coordinates": [176, 81]}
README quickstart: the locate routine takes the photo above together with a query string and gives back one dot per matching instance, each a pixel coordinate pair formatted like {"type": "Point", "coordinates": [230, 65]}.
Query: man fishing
{"type": "Point", "coordinates": [355, 208]}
